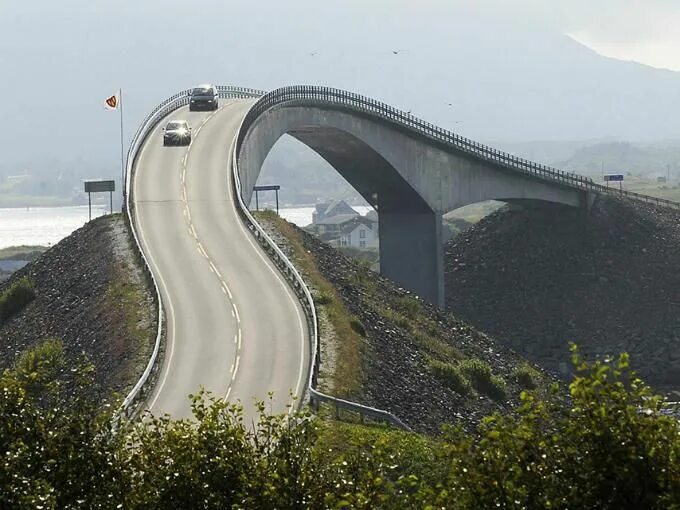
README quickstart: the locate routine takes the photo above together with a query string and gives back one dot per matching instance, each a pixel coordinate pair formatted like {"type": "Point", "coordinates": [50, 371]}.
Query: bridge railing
{"type": "Point", "coordinates": [134, 397]}
{"type": "Point", "coordinates": [305, 296]}
{"type": "Point", "coordinates": [307, 95]}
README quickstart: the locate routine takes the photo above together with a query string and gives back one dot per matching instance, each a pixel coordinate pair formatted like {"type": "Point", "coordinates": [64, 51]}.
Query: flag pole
{"type": "Point", "coordinates": [122, 157]}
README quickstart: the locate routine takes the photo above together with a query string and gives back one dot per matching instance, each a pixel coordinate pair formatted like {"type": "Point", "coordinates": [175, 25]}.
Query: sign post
{"type": "Point", "coordinates": [97, 187]}
{"type": "Point", "coordinates": [273, 187]}
{"type": "Point", "coordinates": [614, 178]}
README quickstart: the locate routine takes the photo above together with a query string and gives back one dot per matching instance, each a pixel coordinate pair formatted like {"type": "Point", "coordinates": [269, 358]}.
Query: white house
{"type": "Point", "coordinates": [359, 233]}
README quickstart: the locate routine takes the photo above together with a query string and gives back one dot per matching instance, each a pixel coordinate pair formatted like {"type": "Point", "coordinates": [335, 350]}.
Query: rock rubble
{"type": "Point", "coordinates": [73, 280]}
{"type": "Point", "coordinates": [397, 377]}
{"type": "Point", "coordinates": [609, 281]}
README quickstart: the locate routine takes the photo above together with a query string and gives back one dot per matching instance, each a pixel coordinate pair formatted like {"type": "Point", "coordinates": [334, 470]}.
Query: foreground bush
{"type": "Point", "coordinates": [16, 297]}
{"type": "Point", "coordinates": [611, 449]}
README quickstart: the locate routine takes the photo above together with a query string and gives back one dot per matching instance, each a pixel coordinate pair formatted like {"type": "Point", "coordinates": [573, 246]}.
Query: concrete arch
{"type": "Point", "coordinates": [412, 180]}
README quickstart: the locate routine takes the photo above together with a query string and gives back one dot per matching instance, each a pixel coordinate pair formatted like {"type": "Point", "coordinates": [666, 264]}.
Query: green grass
{"type": "Point", "coordinates": [409, 306]}
{"type": "Point", "coordinates": [347, 378]}
{"type": "Point", "coordinates": [23, 252]}
{"type": "Point", "coordinates": [16, 297]}
{"type": "Point", "coordinates": [479, 374]}
{"type": "Point", "coordinates": [135, 330]}
{"type": "Point", "coordinates": [526, 376]}
{"type": "Point", "coordinates": [669, 191]}
{"type": "Point", "coordinates": [363, 277]}
{"type": "Point", "coordinates": [451, 375]}
{"type": "Point", "coordinates": [436, 347]}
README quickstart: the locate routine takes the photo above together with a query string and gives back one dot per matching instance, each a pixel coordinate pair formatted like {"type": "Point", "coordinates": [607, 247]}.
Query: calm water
{"type": "Point", "coordinates": [46, 226]}
{"type": "Point", "coordinates": [43, 226]}
{"type": "Point", "coordinates": [302, 216]}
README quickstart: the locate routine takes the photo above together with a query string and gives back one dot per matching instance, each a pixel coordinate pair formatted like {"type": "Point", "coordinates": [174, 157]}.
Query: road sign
{"type": "Point", "coordinates": [270, 187]}
{"type": "Point", "coordinates": [613, 177]}
{"type": "Point", "coordinates": [97, 186]}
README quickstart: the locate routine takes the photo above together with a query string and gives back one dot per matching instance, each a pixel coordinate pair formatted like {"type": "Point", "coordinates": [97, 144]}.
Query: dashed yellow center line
{"type": "Point", "coordinates": [213, 268]}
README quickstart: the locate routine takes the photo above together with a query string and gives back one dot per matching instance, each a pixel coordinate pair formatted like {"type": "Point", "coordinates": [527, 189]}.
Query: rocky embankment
{"type": "Point", "coordinates": [400, 341]}
{"type": "Point", "coordinates": [610, 282]}
{"type": "Point", "coordinates": [92, 296]}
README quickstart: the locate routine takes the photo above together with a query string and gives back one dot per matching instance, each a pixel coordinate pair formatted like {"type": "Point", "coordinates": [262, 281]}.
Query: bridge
{"type": "Point", "coordinates": [238, 317]}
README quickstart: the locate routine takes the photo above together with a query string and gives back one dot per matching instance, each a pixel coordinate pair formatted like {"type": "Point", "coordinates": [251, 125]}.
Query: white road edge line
{"type": "Point", "coordinates": [279, 278]}
{"type": "Point", "coordinates": [171, 309]}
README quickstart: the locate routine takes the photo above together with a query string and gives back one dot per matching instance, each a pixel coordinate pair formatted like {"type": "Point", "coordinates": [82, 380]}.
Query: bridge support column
{"type": "Point", "coordinates": [411, 252]}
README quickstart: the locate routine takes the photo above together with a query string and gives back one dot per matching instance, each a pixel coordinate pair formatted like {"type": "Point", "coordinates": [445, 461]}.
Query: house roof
{"type": "Point", "coordinates": [333, 208]}
{"type": "Point", "coordinates": [352, 226]}
{"type": "Point", "coordinates": [338, 219]}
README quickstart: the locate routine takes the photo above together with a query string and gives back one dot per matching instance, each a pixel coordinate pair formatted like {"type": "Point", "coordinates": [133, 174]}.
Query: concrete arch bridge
{"type": "Point", "coordinates": [411, 171]}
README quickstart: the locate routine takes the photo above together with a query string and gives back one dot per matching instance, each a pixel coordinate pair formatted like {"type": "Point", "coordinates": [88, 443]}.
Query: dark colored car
{"type": "Point", "coordinates": [177, 132]}
{"type": "Point", "coordinates": [204, 97]}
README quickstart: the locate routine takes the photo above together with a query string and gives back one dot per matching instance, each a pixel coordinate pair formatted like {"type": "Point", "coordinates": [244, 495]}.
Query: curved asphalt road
{"type": "Point", "coordinates": [233, 324]}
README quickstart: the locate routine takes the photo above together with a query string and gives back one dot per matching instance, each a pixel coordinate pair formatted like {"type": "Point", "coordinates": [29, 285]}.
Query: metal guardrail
{"type": "Point", "coordinates": [308, 95]}
{"type": "Point", "coordinates": [335, 98]}
{"type": "Point", "coordinates": [132, 400]}
{"type": "Point", "coordinates": [172, 103]}
{"type": "Point", "coordinates": [305, 296]}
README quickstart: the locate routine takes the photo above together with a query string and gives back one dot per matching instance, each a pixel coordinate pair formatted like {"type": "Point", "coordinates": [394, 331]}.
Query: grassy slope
{"type": "Point", "coordinates": [440, 350]}
{"type": "Point", "coordinates": [346, 378]}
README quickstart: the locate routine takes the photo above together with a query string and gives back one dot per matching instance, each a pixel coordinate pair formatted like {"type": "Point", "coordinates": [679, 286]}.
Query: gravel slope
{"type": "Point", "coordinates": [610, 282]}
{"type": "Point", "coordinates": [396, 373]}
{"type": "Point", "coordinates": [92, 296]}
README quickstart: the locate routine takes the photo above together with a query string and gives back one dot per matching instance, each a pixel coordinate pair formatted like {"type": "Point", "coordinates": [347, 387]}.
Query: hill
{"type": "Point", "coordinates": [91, 295]}
{"type": "Point", "coordinates": [385, 348]}
{"type": "Point", "coordinates": [538, 279]}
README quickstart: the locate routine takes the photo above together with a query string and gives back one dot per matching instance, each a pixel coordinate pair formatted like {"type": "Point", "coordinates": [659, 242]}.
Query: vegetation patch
{"type": "Point", "coordinates": [435, 346]}
{"type": "Point", "coordinates": [479, 374]}
{"type": "Point", "coordinates": [347, 378]}
{"type": "Point", "coordinates": [612, 447]}
{"type": "Point", "coordinates": [409, 306]}
{"type": "Point", "coordinates": [16, 297]}
{"type": "Point", "coordinates": [451, 376]}
{"type": "Point", "coordinates": [526, 376]}
{"type": "Point", "coordinates": [358, 327]}
{"type": "Point", "coordinates": [23, 252]}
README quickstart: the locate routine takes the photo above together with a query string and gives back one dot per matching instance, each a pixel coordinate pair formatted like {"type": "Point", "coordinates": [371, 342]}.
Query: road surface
{"type": "Point", "coordinates": [233, 324]}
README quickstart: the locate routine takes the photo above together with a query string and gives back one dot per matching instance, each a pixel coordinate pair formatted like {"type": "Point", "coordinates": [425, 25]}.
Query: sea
{"type": "Point", "coordinates": [45, 226]}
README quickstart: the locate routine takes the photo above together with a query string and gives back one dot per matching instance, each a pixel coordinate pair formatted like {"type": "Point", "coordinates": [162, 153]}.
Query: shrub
{"type": "Point", "coordinates": [323, 299]}
{"type": "Point", "coordinates": [611, 448]}
{"type": "Point", "coordinates": [16, 297]}
{"type": "Point", "coordinates": [479, 374]}
{"type": "Point", "coordinates": [409, 306]}
{"type": "Point", "coordinates": [397, 318]}
{"type": "Point", "coordinates": [451, 376]}
{"type": "Point", "coordinates": [357, 327]}
{"type": "Point", "coordinates": [526, 376]}
{"type": "Point", "coordinates": [436, 346]}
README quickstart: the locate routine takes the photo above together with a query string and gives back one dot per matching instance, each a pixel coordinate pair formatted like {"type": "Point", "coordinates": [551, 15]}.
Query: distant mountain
{"type": "Point", "coordinates": [635, 159]}
{"type": "Point", "coordinates": [485, 79]}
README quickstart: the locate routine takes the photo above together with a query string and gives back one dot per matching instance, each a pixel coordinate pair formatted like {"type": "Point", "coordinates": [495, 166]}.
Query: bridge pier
{"type": "Point", "coordinates": [411, 252]}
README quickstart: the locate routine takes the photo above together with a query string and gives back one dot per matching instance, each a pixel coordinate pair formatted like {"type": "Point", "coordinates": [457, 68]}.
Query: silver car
{"type": "Point", "coordinates": [177, 132]}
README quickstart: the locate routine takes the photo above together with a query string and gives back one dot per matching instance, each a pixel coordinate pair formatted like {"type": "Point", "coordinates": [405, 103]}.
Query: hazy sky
{"type": "Point", "coordinates": [59, 60]}
{"type": "Point", "coordinates": [645, 31]}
